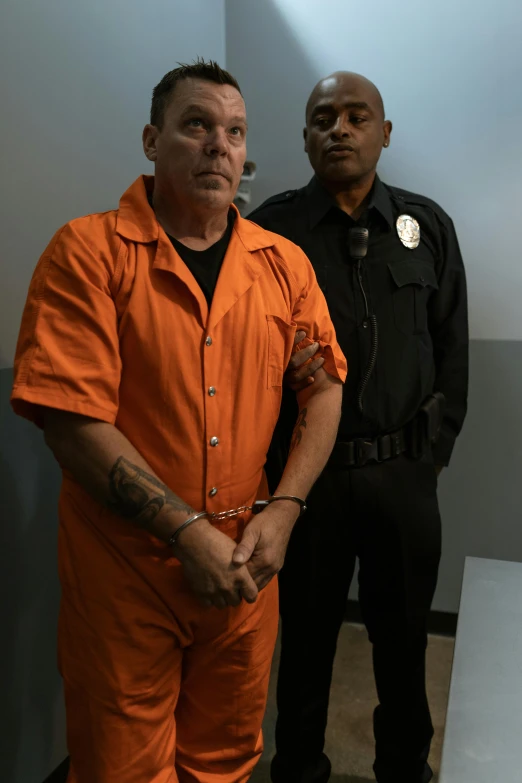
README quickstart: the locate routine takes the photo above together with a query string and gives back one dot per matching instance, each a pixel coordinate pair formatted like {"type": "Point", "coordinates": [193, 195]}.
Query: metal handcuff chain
{"type": "Point", "coordinates": [255, 508]}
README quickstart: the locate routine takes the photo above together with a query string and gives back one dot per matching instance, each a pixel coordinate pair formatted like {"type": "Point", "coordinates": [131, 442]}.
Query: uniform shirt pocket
{"type": "Point", "coordinates": [281, 335]}
{"type": "Point", "coordinates": [415, 280]}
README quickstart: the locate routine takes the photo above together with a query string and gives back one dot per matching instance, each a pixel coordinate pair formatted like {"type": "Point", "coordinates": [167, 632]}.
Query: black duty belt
{"type": "Point", "coordinates": [357, 453]}
{"type": "Point", "coordinates": [415, 439]}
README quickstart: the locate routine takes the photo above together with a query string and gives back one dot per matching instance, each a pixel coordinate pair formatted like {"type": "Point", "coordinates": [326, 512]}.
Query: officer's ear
{"type": "Point", "coordinates": [305, 137]}
{"type": "Point", "coordinates": [387, 128]}
{"type": "Point", "coordinates": [149, 138]}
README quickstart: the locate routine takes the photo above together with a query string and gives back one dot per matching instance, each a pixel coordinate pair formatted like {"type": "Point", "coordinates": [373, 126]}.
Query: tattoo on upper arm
{"type": "Point", "coordinates": [137, 495]}
{"type": "Point", "coordinates": [300, 425]}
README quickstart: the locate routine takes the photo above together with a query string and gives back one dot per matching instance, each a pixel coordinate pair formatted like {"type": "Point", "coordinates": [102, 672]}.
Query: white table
{"type": "Point", "coordinates": [483, 735]}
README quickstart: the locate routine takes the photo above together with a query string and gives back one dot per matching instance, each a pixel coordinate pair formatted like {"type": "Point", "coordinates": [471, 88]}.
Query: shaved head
{"type": "Point", "coordinates": [345, 129]}
{"type": "Point", "coordinates": [345, 80]}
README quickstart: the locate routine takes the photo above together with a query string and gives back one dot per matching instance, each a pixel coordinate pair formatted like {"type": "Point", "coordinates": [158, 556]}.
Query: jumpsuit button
{"type": "Point", "coordinates": [213, 492]}
{"type": "Point", "coordinates": [214, 441]}
{"type": "Point", "coordinates": [208, 341]}
{"type": "Point", "coordinates": [211, 390]}
{"type": "Point", "coordinates": [421, 279]}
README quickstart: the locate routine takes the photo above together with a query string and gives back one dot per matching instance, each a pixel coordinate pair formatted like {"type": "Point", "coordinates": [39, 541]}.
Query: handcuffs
{"type": "Point", "coordinates": [255, 508]}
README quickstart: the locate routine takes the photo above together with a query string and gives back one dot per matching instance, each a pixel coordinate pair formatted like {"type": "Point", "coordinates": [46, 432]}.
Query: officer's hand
{"type": "Point", "coordinates": [264, 542]}
{"type": "Point", "coordinates": [206, 556]}
{"type": "Point", "coordinates": [301, 367]}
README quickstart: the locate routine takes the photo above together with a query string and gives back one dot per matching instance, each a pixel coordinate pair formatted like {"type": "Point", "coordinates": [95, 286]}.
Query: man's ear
{"type": "Point", "coordinates": [388, 127]}
{"type": "Point", "coordinates": [149, 138]}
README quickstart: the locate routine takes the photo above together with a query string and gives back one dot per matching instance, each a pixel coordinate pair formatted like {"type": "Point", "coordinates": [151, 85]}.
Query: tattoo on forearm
{"type": "Point", "coordinates": [137, 495]}
{"type": "Point", "coordinates": [298, 429]}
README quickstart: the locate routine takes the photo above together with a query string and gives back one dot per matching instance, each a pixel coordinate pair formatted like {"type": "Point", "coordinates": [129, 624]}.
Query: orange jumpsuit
{"type": "Point", "coordinates": [157, 688]}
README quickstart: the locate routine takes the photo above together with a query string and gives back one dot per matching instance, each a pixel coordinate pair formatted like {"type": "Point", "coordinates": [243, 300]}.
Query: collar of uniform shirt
{"type": "Point", "coordinates": [320, 201]}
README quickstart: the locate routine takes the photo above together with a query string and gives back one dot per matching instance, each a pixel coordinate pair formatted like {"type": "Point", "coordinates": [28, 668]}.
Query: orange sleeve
{"type": "Point", "coordinates": [312, 316]}
{"type": "Point", "coordinates": [67, 355]}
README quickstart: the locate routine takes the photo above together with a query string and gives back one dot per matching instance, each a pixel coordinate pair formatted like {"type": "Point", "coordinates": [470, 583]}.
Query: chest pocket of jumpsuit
{"type": "Point", "coordinates": [415, 280]}
{"type": "Point", "coordinates": [281, 335]}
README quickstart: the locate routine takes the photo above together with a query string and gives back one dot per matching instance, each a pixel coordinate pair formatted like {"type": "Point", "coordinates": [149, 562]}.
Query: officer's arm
{"type": "Point", "coordinates": [448, 325]}
{"type": "Point", "coordinates": [303, 365]}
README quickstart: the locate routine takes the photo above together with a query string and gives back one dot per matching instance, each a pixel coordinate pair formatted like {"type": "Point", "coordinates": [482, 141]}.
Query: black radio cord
{"type": "Point", "coordinates": [374, 345]}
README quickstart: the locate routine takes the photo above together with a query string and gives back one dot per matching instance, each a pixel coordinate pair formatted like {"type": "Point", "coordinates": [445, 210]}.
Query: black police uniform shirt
{"type": "Point", "coordinates": [418, 297]}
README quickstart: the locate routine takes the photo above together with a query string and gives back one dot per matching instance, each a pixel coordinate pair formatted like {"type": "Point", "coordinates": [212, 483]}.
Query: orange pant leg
{"type": "Point", "coordinates": [120, 652]}
{"type": "Point", "coordinates": [121, 687]}
{"type": "Point", "coordinates": [223, 695]}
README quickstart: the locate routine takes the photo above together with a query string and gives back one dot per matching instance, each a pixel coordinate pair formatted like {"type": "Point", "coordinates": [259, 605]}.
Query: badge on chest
{"type": "Point", "coordinates": [408, 230]}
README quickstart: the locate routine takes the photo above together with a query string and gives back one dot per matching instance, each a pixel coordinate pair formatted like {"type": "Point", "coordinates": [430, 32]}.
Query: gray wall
{"type": "Point", "coordinates": [75, 94]}
{"type": "Point", "coordinates": [32, 737]}
{"type": "Point", "coordinates": [73, 109]}
{"type": "Point", "coordinates": [481, 492]}
{"type": "Point", "coordinates": [450, 75]}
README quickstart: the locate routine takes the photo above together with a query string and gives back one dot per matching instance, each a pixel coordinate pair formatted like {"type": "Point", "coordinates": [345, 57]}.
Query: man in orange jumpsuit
{"type": "Point", "coordinates": [152, 351]}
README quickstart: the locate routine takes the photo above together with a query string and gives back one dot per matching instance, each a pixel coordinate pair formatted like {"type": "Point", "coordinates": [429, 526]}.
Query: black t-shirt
{"type": "Point", "coordinates": [205, 265]}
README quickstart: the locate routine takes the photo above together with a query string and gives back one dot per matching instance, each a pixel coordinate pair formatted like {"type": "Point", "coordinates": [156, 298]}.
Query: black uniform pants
{"type": "Point", "coordinates": [386, 515]}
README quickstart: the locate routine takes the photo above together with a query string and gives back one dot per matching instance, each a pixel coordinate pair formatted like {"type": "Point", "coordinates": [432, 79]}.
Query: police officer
{"type": "Point", "coordinates": [389, 264]}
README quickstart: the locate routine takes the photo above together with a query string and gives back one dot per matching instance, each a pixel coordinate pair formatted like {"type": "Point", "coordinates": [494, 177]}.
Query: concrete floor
{"type": "Point", "coordinates": [349, 742]}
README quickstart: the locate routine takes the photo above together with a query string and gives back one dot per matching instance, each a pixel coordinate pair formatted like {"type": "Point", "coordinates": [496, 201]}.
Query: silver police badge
{"type": "Point", "coordinates": [409, 231]}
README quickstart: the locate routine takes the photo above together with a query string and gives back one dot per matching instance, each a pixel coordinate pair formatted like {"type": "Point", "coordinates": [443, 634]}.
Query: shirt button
{"type": "Point", "coordinates": [213, 492]}
{"type": "Point", "coordinates": [208, 341]}
{"type": "Point", "coordinates": [421, 279]}
{"type": "Point", "coordinates": [211, 390]}
{"type": "Point", "coordinates": [214, 441]}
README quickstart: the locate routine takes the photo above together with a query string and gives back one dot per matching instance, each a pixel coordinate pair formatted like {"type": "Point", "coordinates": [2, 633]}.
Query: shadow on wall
{"type": "Point", "coordinates": [276, 122]}
{"type": "Point", "coordinates": [275, 136]}
{"type": "Point", "coordinates": [31, 718]}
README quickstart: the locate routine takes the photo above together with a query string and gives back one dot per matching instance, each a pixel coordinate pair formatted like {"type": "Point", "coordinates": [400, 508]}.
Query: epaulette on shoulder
{"type": "Point", "coordinates": [281, 198]}
{"type": "Point", "coordinates": [406, 197]}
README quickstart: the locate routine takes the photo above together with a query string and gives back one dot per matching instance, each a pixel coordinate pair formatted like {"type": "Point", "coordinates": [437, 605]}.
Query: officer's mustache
{"type": "Point", "coordinates": [340, 148]}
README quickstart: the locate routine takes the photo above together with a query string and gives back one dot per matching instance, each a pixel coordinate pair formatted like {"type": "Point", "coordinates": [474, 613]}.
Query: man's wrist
{"type": "Point", "coordinates": [189, 537]}
{"type": "Point", "coordinates": [282, 497]}
{"type": "Point", "coordinates": [173, 540]}
{"type": "Point", "coordinates": [168, 521]}
{"type": "Point", "coordinates": [278, 498]}
{"type": "Point", "coordinates": [287, 509]}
